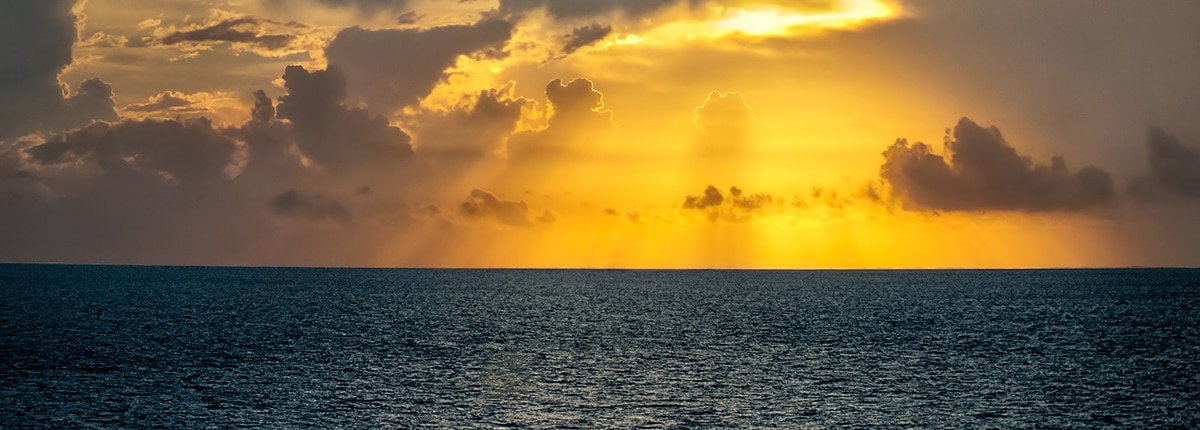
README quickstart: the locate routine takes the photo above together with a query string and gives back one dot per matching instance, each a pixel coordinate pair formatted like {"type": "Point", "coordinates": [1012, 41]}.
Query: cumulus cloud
{"type": "Point", "coordinates": [725, 121]}
{"type": "Point", "coordinates": [1174, 168]}
{"type": "Point", "coordinates": [172, 152]}
{"type": "Point", "coordinates": [338, 137]}
{"type": "Point", "coordinates": [578, 123]}
{"type": "Point", "coordinates": [313, 207]}
{"type": "Point", "coordinates": [585, 36]}
{"type": "Point", "coordinates": [734, 205]}
{"type": "Point", "coordinates": [981, 171]}
{"type": "Point", "coordinates": [484, 205]}
{"type": "Point", "coordinates": [390, 69]}
{"type": "Point", "coordinates": [477, 130]}
{"type": "Point", "coordinates": [35, 42]}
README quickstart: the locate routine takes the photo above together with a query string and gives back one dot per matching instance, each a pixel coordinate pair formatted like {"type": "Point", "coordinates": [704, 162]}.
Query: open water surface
{"type": "Point", "coordinates": [146, 347]}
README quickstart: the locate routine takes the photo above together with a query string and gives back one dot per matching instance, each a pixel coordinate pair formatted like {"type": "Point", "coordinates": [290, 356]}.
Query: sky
{"type": "Point", "coordinates": [765, 134]}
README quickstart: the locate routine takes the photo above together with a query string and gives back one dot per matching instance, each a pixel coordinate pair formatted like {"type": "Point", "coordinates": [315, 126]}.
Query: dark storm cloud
{"type": "Point", "coordinates": [586, 36]}
{"type": "Point", "coordinates": [471, 133]}
{"type": "Point", "coordinates": [35, 46]}
{"type": "Point", "coordinates": [240, 30]}
{"type": "Point", "coordinates": [725, 121]}
{"type": "Point", "coordinates": [338, 137]}
{"type": "Point", "coordinates": [1174, 168]}
{"type": "Point", "coordinates": [390, 69]}
{"type": "Point", "coordinates": [313, 207]}
{"type": "Point", "coordinates": [580, 8]}
{"type": "Point", "coordinates": [578, 123]}
{"type": "Point", "coordinates": [982, 172]}
{"type": "Point", "coordinates": [484, 205]}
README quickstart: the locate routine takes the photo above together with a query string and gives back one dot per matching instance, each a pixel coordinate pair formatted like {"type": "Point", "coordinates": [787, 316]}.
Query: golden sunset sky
{"type": "Point", "coordinates": [605, 133]}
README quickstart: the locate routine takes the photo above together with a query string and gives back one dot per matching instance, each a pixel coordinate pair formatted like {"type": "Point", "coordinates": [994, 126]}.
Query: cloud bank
{"type": "Point", "coordinates": [980, 171]}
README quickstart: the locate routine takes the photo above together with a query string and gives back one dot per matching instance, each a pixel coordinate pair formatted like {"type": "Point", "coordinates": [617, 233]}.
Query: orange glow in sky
{"type": "Point", "coordinates": [607, 133]}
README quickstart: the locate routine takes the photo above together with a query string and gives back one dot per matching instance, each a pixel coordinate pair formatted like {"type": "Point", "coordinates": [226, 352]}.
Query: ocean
{"type": "Point", "coordinates": [189, 347]}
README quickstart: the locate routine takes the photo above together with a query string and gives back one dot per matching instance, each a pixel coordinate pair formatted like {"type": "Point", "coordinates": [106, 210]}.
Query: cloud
{"type": "Point", "coordinates": [369, 6]}
{"type": "Point", "coordinates": [585, 36]}
{"type": "Point", "coordinates": [578, 123]}
{"type": "Point", "coordinates": [337, 137]}
{"type": "Point", "coordinates": [167, 100]}
{"type": "Point", "coordinates": [391, 69]}
{"type": "Point", "coordinates": [313, 207]}
{"type": "Point", "coordinates": [982, 172]}
{"type": "Point", "coordinates": [262, 37]}
{"type": "Point", "coordinates": [35, 43]}
{"type": "Point", "coordinates": [484, 205]}
{"type": "Point", "coordinates": [476, 130]}
{"type": "Point", "coordinates": [93, 100]}
{"type": "Point", "coordinates": [577, 9]}
{"type": "Point", "coordinates": [1174, 168]}
{"type": "Point", "coordinates": [170, 152]}
{"type": "Point", "coordinates": [725, 121]}
{"type": "Point", "coordinates": [172, 191]}
{"type": "Point", "coordinates": [239, 30]}
{"type": "Point", "coordinates": [733, 206]}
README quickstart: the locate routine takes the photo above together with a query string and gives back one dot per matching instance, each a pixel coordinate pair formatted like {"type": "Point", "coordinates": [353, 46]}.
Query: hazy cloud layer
{"type": "Point", "coordinates": [314, 207]}
{"type": "Point", "coordinates": [391, 69]}
{"type": "Point", "coordinates": [1174, 169]}
{"type": "Point", "coordinates": [980, 171]}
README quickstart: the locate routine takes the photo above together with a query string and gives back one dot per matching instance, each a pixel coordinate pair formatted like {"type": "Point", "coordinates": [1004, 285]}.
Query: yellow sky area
{"type": "Point", "coordinates": [762, 19]}
{"type": "Point", "coordinates": [794, 240]}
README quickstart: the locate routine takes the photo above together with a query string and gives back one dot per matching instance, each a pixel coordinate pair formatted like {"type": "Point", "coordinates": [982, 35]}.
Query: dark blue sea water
{"type": "Point", "coordinates": [142, 347]}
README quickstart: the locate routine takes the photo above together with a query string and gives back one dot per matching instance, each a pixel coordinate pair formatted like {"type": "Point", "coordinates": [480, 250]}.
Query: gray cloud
{"type": "Point", "coordinates": [390, 69]}
{"type": "Point", "coordinates": [578, 123]}
{"type": "Point", "coordinates": [732, 206]}
{"type": "Point", "coordinates": [1174, 168]}
{"type": "Point", "coordinates": [240, 30]}
{"type": "Point", "coordinates": [980, 171]}
{"type": "Point", "coordinates": [313, 207]}
{"type": "Point", "coordinates": [170, 152]}
{"type": "Point", "coordinates": [338, 137]}
{"type": "Point", "coordinates": [484, 205]}
{"type": "Point", "coordinates": [35, 43]}
{"type": "Point", "coordinates": [185, 191]}
{"type": "Point", "coordinates": [585, 36]}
